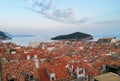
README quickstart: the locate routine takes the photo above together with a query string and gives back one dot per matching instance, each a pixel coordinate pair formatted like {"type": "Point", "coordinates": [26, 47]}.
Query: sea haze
{"type": "Point", "coordinates": [24, 40]}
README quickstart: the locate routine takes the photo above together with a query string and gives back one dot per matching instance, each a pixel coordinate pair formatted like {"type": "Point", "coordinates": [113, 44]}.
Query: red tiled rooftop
{"type": "Point", "coordinates": [44, 64]}
{"type": "Point", "coordinates": [67, 58]}
{"type": "Point", "coordinates": [87, 66]}
{"type": "Point", "coordinates": [95, 72]}
{"type": "Point", "coordinates": [43, 75]}
{"type": "Point", "coordinates": [97, 64]}
{"type": "Point", "coordinates": [16, 68]}
{"type": "Point", "coordinates": [104, 53]}
{"type": "Point", "coordinates": [60, 72]}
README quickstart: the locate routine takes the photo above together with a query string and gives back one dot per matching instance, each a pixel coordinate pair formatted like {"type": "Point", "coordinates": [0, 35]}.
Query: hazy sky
{"type": "Point", "coordinates": [60, 16]}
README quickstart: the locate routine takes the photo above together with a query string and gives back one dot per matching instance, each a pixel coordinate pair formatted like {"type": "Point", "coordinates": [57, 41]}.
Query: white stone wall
{"type": "Point", "coordinates": [34, 44]}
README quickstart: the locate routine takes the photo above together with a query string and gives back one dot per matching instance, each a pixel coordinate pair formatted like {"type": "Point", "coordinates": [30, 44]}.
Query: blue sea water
{"type": "Point", "coordinates": [24, 41]}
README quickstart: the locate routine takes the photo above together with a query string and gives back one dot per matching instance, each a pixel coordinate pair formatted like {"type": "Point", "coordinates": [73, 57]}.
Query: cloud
{"type": "Point", "coordinates": [109, 22]}
{"type": "Point", "coordinates": [48, 10]}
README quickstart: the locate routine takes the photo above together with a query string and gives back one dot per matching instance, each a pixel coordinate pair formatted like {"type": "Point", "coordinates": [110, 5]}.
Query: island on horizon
{"type": "Point", "coordinates": [74, 36]}
{"type": "Point", "coordinates": [3, 36]}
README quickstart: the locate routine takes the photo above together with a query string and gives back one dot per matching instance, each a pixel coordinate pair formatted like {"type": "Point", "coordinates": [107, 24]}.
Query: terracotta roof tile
{"type": "Point", "coordinates": [60, 72]}
{"type": "Point", "coordinates": [87, 66]}
{"type": "Point", "coordinates": [43, 75]}
{"type": "Point", "coordinates": [67, 58]}
{"type": "Point", "coordinates": [16, 68]}
{"type": "Point", "coordinates": [95, 72]}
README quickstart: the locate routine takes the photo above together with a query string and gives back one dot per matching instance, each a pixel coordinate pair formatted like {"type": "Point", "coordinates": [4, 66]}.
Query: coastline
{"type": "Point", "coordinates": [24, 41]}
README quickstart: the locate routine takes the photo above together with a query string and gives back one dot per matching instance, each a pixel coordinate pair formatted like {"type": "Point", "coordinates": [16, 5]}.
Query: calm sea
{"type": "Point", "coordinates": [24, 41]}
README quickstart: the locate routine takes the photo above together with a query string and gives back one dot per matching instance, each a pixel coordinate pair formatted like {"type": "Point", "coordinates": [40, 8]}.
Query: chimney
{"type": "Point", "coordinates": [52, 77]}
{"type": "Point", "coordinates": [67, 66]}
{"type": "Point", "coordinates": [36, 61]}
{"type": "Point", "coordinates": [28, 57]}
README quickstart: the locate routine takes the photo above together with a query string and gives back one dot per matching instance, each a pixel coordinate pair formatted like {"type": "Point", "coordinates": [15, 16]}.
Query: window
{"type": "Point", "coordinates": [81, 71]}
{"type": "Point", "coordinates": [53, 78]}
{"type": "Point", "coordinates": [31, 77]}
{"type": "Point", "coordinates": [107, 69]}
{"type": "Point", "coordinates": [11, 80]}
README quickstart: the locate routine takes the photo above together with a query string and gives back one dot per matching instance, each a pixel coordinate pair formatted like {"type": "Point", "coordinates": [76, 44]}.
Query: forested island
{"type": "Point", "coordinates": [3, 36]}
{"type": "Point", "coordinates": [74, 36]}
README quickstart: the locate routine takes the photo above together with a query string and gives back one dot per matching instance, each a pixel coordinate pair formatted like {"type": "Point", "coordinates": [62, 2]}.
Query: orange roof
{"type": "Point", "coordinates": [95, 72]}
{"type": "Point", "coordinates": [87, 65]}
{"type": "Point", "coordinates": [16, 68]}
{"type": "Point", "coordinates": [104, 52]}
{"type": "Point", "coordinates": [75, 57]}
{"type": "Point", "coordinates": [97, 64]}
{"type": "Point", "coordinates": [60, 72]}
{"type": "Point", "coordinates": [44, 64]}
{"type": "Point", "coordinates": [43, 75]}
{"type": "Point", "coordinates": [111, 62]}
{"type": "Point", "coordinates": [108, 62]}
{"type": "Point", "coordinates": [67, 58]}
{"type": "Point", "coordinates": [13, 57]}
{"type": "Point", "coordinates": [58, 62]}
{"type": "Point", "coordinates": [117, 62]}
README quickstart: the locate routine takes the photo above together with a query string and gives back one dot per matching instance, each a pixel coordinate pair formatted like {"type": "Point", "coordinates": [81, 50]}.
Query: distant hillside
{"type": "Point", "coordinates": [76, 35]}
{"type": "Point", "coordinates": [3, 36]}
{"type": "Point", "coordinates": [12, 35]}
{"type": "Point", "coordinates": [23, 35]}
